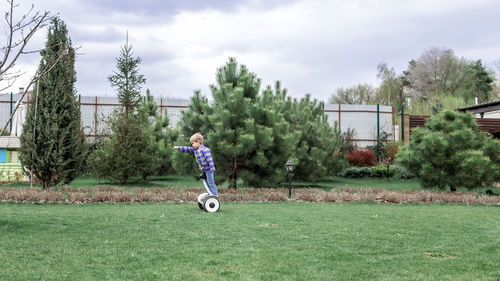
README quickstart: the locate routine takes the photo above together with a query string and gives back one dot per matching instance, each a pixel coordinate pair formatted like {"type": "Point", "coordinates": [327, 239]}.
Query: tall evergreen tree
{"type": "Point", "coordinates": [163, 137]}
{"type": "Point", "coordinates": [228, 126]}
{"type": "Point", "coordinates": [128, 151]}
{"type": "Point", "coordinates": [246, 132]}
{"type": "Point", "coordinates": [126, 79]}
{"type": "Point", "coordinates": [275, 138]}
{"type": "Point", "coordinates": [317, 152]}
{"type": "Point", "coordinates": [194, 119]}
{"type": "Point", "coordinates": [52, 143]}
{"type": "Point", "coordinates": [252, 136]}
{"type": "Point", "coordinates": [480, 83]}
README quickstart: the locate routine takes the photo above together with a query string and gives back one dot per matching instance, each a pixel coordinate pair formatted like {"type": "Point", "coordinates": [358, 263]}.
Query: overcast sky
{"type": "Point", "coordinates": [310, 46]}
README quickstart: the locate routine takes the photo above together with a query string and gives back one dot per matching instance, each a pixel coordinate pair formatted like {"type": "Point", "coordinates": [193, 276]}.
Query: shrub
{"type": "Point", "coordinates": [380, 171]}
{"type": "Point", "coordinates": [362, 158]}
{"type": "Point", "coordinates": [355, 172]}
{"type": "Point", "coordinates": [403, 173]}
{"type": "Point", "coordinates": [380, 148]}
{"type": "Point", "coordinates": [348, 145]}
{"type": "Point", "coordinates": [450, 151]}
{"type": "Point", "coordinates": [391, 149]}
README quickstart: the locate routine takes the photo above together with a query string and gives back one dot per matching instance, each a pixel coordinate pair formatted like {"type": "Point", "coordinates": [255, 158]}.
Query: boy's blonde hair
{"type": "Point", "coordinates": [196, 137]}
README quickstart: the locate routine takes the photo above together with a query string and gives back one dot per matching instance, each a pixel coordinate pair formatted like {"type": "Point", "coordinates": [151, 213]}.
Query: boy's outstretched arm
{"type": "Point", "coordinates": [189, 149]}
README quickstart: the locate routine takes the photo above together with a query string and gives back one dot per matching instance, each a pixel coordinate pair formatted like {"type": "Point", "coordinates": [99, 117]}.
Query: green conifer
{"type": "Point", "coordinates": [126, 79]}
{"type": "Point", "coordinates": [52, 144]}
{"type": "Point", "coordinates": [247, 133]}
{"type": "Point", "coordinates": [317, 152]}
{"type": "Point", "coordinates": [163, 137]}
{"type": "Point", "coordinates": [128, 151]}
{"type": "Point", "coordinates": [451, 152]}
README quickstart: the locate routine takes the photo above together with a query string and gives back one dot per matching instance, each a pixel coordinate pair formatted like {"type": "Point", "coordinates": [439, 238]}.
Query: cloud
{"type": "Point", "coordinates": [311, 46]}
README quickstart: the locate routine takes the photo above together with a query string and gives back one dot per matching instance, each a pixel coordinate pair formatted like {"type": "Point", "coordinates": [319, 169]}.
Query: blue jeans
{"type": "Point", "coordinates": [211, 184]}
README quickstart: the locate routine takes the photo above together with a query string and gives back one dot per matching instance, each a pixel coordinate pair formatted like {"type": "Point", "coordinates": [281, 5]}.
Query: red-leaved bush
{"type": "Point", "coordinates": [362, 158]}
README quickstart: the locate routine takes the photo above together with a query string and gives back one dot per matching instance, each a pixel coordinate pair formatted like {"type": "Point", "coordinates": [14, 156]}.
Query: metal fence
{"type": "Point", "coordinates": [95, 110]}
{"type": "Point", "coordinates": [368, 121]}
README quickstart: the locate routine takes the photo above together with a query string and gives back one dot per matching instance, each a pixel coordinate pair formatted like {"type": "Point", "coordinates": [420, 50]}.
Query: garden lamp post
{"type": "Point", "coordinates": [289, 168]}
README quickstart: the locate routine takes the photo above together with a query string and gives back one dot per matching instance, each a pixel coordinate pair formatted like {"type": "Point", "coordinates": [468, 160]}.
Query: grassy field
{"type": "Point", "coordinates": [392, 184]}
{"type": "Point", "coordinates": [249, 241]}
{"type": "Point", "coordinates": [191, 181]}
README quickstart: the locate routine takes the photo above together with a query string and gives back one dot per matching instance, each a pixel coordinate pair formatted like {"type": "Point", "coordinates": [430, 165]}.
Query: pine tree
{"type": "Point", "coordinates": [317, 152]}
{"type": "Point", "coordinates": [127, 79]}
{"type": "Point", "coordinates": [451, 152]}
{"type": "Point", "coordinates": [162, 136]}
{"type": "Point", "coordinates": [128, 151]}
{"type": "Point", "coordinates": [276, 142]}
{"type": "Point", "coordinates": [247, 133]}
{"type": "Point", "coordinates": [231, 120]}
{"type": "Point", "coordinates": [194, 120]}
{"type": "Point", "coordinates": [480, 81]}
{"type": "Point", "coordinates": [52, 143]}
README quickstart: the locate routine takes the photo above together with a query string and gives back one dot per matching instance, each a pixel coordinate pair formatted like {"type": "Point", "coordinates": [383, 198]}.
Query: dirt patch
{"type": "Point", "coordinates": [115, 195]}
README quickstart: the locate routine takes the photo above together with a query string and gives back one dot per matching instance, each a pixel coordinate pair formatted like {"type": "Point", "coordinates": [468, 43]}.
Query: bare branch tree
{"type": "Point", "coordinates": [18, 31]}
{"type": "Point", "coordinates": [357, 94]}
{"type": "Point", "coordinates": [437, 71]}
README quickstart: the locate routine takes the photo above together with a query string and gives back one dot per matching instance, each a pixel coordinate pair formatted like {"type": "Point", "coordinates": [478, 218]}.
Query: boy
{"type": "Point", "coordinates": [203, 158]}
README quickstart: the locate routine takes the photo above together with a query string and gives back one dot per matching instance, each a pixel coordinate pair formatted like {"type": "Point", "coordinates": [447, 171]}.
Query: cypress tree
{"type": "Point", "coordinates": [52, 144]}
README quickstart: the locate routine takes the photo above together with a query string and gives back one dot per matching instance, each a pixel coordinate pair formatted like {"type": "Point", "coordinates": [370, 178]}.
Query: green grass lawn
{"type": "Point", "coordinates": [155, 181]}
{"type": "Point", "coordinates": [252, 241]}
{"type": "Point", "coordinates": [392, 184]}
{"type": "Point", "coordinates": [327, 185]}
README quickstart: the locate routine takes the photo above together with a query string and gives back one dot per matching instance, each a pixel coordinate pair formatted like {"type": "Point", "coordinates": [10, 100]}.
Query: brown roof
{"type": "Point", "coordinates": [481, 108]}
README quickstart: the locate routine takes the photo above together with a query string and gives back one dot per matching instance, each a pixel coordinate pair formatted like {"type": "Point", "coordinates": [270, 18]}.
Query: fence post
{"type": "Point", "coordinates": [11, 98]}
{"type": "Point", "coordinates": [393, 125]}
{"type": "Point", "coordinates": [340, 112]}
{"type": "Point", "coordinates": [378, 122]}
{"type": "Point", "coordinates": [378, 132]}
{"type": "Point", "coordinates": [402, 123]}
{"type": "Point", "coordinates": [95, 119]}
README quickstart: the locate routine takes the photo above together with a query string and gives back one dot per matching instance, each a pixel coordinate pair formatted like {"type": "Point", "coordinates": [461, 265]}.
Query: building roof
{"type": "Point", "coordinates": [10, 142]}
{"type": "Point", "coordinates": [481, 108]}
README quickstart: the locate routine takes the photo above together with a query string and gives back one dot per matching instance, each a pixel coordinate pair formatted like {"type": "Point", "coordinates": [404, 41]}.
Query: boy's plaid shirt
{"type": "Point", "coordinates": [202, 155]}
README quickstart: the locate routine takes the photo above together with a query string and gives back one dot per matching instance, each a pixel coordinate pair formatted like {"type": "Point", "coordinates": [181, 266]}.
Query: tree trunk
{"type": "Point", "coordinates": [452, 188]}
{"type": "Point", "coordinates": [232, 178]}
{"type": "Point", "coordinates": [232, 182]}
